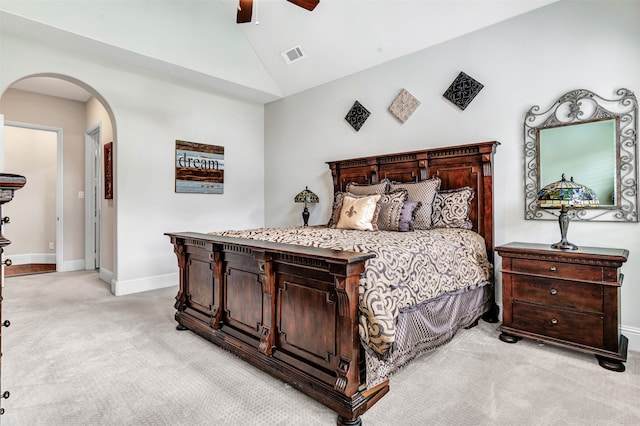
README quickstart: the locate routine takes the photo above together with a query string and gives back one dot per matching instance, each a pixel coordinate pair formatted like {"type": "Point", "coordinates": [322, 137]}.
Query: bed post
{"type": "Point", "coordinates": [267, 275]}
{"type": "Point", "coordinates": [491, 316]}
{"type": "Point", "coordinates": [181, 297]}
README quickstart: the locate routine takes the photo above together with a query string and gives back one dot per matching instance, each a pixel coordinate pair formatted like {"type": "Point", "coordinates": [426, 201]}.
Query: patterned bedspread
{"type": "Point", "coordinates": [409, 268]}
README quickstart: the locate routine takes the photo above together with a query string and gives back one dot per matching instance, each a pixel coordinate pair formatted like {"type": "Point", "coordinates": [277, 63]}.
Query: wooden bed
{"type": "Point", "coordinates": [292, 310]}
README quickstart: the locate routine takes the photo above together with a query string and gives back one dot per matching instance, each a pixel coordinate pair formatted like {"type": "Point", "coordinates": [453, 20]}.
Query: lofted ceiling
{"type": "Point", "coordinates": [200, 43]}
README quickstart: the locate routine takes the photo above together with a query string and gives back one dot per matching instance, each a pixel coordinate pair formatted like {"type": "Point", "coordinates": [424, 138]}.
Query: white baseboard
{"type": "Point", "coordinates": [106, 276]}
{"type": "Point", "coordinates": [72, 265]}
{"type": "Point", "coordinates": [121, 288]}
{"type": "Point", "coordinates": [633, 334]}
{"type": "Point", "coordinates": [46, 258]}
{"type": "Point", "coordinates": [25, 259]}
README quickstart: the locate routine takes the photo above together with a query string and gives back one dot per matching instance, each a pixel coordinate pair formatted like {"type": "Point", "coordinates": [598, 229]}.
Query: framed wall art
{"type": "Point", "coordinates": [108, 171]}
{"type": "Point", "coordinates": [199, 168]}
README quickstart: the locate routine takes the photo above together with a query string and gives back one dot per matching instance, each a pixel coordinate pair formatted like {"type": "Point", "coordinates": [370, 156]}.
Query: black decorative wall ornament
{"type": "Point", "coordinates": [463, 90]}
{"type": "Point", "coordinates": [357, 115]}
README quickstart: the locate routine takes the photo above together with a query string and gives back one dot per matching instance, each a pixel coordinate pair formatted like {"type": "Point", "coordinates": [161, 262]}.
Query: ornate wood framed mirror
{"type": "Point", "coordinates": [591, 139]}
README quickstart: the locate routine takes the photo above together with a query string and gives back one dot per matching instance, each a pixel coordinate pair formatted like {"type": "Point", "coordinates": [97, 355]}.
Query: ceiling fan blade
{"type": "Point", "coordinates": [305, 4]}
{"type": "Point", "coordinates": [245, 9]}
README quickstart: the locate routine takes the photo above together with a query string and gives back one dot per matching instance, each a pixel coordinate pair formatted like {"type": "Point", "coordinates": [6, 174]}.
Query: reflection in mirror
{"type": "Point", "coordinates": [591, 139]}
{"type": "Point", "coordinates": [586, 152]}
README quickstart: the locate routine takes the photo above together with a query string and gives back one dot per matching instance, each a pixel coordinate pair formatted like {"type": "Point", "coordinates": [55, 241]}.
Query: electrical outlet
{"type": "Point", "coordinates": [52, 246]}
{"type": "Point", "coordinates": [80, 194]}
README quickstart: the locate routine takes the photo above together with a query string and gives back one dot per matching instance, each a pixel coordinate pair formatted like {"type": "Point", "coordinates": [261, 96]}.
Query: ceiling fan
{"type": "Point", "coordinates": [245, 8]}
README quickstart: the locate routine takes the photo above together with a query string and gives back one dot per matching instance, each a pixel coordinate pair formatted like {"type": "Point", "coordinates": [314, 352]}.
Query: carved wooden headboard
{"type": "Point", "coordinates": [457, 166]}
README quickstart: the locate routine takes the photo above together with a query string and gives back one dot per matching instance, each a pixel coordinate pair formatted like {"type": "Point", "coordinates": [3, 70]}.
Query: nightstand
{"type": "Point", "coordinates": [566, 297]}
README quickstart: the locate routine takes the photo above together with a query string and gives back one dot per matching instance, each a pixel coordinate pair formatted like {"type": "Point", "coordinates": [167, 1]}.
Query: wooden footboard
{"type": "Point", "coordinates": [292, 311]}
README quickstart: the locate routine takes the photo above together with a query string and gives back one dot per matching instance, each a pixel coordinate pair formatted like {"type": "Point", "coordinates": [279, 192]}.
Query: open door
{"type": "Point", "coordinates": [92, 234]}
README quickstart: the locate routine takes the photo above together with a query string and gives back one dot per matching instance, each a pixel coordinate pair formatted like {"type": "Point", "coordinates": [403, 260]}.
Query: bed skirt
{"type": "Point", "coordinates": [427, 327]}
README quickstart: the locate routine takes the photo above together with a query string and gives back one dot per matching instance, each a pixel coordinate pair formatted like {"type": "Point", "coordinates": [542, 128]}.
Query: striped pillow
{"type": "Point", "coordinates": [398, 217]}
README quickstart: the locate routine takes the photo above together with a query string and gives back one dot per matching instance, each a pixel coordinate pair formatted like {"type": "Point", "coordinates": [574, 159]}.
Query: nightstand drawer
{"type": "Point", "coordinates": [557, 293]}
{"type": "Point", "coordinates": [565, 325]}
{"type": "Point", "coordinates": [557, 269]}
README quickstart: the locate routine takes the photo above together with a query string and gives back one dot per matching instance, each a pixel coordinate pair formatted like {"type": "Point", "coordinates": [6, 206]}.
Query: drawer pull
{"type": "Point", "coordinates": [553, 269]}
{"type": "Point", "coordinates": [553, 291]}
{"type": "Point", "coordinates": [554, 321]}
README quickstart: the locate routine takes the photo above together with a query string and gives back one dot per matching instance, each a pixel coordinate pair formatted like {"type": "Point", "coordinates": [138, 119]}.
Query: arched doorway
{"type": "Point", "coordinates": [85, 220]}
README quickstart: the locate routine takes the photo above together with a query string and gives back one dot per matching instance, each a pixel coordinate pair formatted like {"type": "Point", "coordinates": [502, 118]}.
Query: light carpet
{"type": "Point", "coordinates": [76, 355]}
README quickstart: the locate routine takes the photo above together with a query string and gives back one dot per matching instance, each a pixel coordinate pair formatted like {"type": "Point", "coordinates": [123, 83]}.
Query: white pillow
{"type": "Point", "coordinates": [359, 213]}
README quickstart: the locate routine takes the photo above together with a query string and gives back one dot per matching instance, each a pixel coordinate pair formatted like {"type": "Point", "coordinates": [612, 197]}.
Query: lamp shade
{"type": "Point", "coordinates": [306, 196]}
{"type": "Point", "coordinates": [566, 194]}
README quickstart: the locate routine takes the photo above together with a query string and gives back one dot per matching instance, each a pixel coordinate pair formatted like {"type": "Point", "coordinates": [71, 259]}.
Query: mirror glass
{"type": "Point", "coordinates": [591, 139]}
{"type": "Point", "coordinates": [586, 152]}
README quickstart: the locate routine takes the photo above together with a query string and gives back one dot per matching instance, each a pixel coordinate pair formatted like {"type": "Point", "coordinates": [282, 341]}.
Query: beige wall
{"type": "Point", "coordinates": [32, 153]}
{"type": "Point", "coordinates": [26, 107]}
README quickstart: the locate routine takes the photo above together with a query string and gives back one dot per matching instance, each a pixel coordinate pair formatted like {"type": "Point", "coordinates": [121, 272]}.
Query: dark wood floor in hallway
{"type": "Point", "coordinates": [30, 268]}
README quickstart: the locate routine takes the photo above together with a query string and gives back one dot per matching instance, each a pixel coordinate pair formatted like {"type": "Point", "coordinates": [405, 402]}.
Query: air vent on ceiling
{"type": "Point", "coordinates": [292, 55]}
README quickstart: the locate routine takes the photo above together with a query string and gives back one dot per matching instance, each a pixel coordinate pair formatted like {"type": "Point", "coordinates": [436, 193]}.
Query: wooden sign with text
{"type": "Point", "coordinates": [199, 168]}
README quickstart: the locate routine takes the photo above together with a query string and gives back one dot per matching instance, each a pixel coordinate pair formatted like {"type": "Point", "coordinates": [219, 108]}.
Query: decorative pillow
{"type": "Point", "coordinates": [408, 216]}
{"type": "Point", "coordinates": [397, 216]}
{"type": "Point", "coordinates": [396, 196]}
{"type": "Point", "coordinates": [423, 192]}
{"type": "Point", "coordinates": [399, 196]}
{"type": "Point", "coordinates": [359, 213]}
{"type": "Point", "coordinates": [451, 208]}
{"type": "Point", "coordinates": [381, 187]}
{"type": "Point", "coordinates": [335, 210]}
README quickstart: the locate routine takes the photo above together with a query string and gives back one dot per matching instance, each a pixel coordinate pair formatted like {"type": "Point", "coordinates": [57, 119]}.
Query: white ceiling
{"type": "Point", "coordinates": [53, 87]}
{"type": "Point", "coordinates": [338, 38]}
